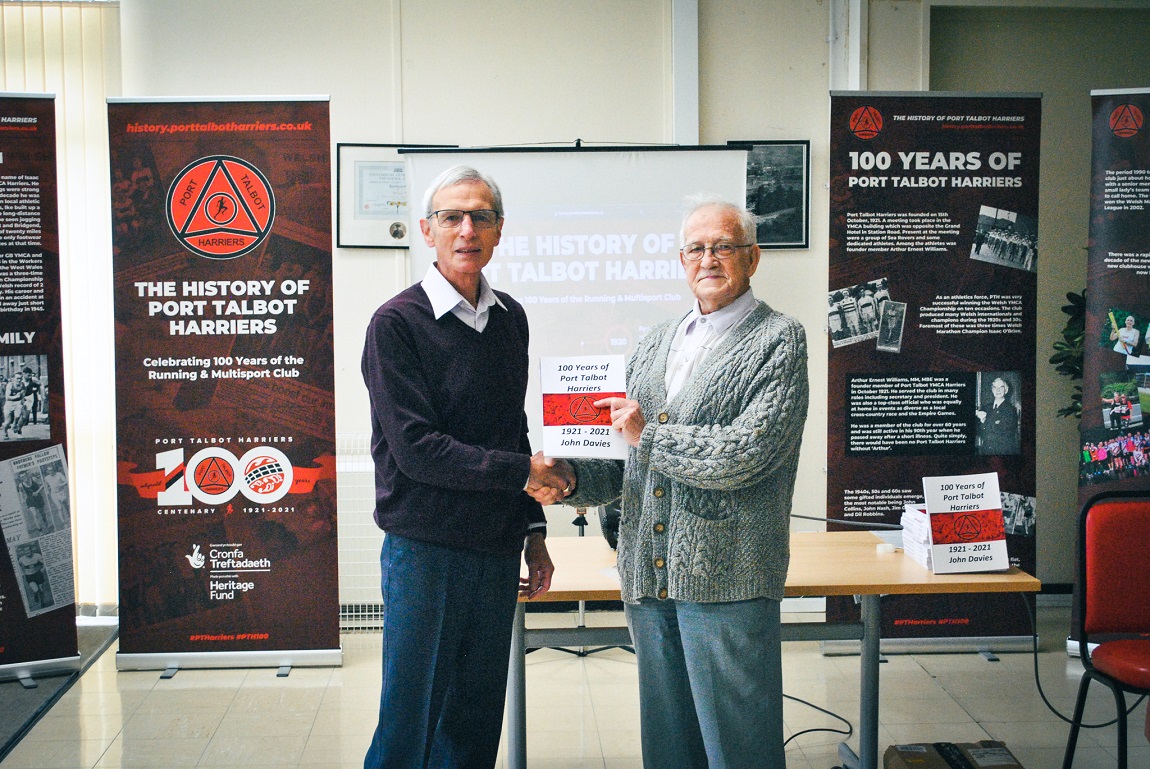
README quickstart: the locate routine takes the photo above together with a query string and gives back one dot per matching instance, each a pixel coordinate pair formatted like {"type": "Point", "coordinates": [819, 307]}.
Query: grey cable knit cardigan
{"type": "Point", "coordinates": [707, 493]}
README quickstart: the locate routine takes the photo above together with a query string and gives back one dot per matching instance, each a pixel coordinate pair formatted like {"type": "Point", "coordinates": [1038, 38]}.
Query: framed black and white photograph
{"type": "Point", "coordinates": [778, 191]}
{"type": "Point", "coordinates": [371, 197]}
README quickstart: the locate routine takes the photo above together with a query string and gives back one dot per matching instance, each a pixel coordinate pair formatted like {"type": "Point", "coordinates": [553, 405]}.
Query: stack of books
{"type": "Point", "coordinates": [916, 533]}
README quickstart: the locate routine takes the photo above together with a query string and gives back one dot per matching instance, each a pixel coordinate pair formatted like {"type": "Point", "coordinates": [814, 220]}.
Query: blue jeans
{"type": "Point", "coordinates": [447, 624]}
{"type": "Point", "coordinates": [710, 683]}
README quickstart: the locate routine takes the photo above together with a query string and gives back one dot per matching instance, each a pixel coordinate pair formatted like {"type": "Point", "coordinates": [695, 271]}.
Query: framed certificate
{"type": "Point", "coordinates": [371, 197]}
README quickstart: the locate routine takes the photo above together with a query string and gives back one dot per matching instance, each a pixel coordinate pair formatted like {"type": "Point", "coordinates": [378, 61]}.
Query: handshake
{"type": "Point", "coordinates": [551, 480]}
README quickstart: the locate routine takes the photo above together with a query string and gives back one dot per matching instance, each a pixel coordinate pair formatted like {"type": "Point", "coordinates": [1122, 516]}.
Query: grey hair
{"type": "Point", "coordinates": [747, 222]}
{"type": "Point", "coordinates": [458, 175]}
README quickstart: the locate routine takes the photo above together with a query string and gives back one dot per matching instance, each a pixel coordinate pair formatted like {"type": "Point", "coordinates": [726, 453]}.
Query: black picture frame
{"type": "Point", "coordinates": [779, 191]}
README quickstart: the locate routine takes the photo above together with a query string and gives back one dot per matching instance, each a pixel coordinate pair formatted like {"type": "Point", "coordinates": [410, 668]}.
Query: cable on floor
{"type": "Point", "coordinates": [849, 731]}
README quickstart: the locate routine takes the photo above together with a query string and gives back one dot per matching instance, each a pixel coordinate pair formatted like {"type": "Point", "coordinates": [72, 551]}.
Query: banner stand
{"type": "Point", "coordinates": [225, 429]}
{"type": "Point", "coordinates": [19, 671]}
{"type": "Point", "coordinates": [940, 645]}
{"type": "Point", "coordinates": [931, 317]}
{"type": "Point", "coordinates": [302, 658]}
{"type": "Point", "coordinates": [37, 571]}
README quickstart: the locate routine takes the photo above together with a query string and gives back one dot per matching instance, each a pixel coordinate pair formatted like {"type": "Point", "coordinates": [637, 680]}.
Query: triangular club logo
{"type": "Point", "coordinates": [220, 207]}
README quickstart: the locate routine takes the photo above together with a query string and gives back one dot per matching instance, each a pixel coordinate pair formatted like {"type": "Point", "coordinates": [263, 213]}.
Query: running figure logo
{"type": "Point", "coordinates": [1126, 121]}
{"type": "Point", "coordinates": [582, 409]}
{"type": "Point", "coordinates": [866, 122]}
{"type": "Point", "coordinates": [220, 207]}
{"type": "Point", "coordinates": [968, 527]}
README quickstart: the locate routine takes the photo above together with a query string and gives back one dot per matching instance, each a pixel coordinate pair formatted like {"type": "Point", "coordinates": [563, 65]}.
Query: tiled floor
{"type": "Point", "coordinates": [582, 712]}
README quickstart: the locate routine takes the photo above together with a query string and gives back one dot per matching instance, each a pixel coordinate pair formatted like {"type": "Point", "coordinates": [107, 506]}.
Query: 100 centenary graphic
{"type": "Point", "coordinates": [214, 476]}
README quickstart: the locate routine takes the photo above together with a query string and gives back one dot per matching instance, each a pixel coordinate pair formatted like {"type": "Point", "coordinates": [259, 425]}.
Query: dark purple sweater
{"type": "Point", "coordinates": [448, 432]}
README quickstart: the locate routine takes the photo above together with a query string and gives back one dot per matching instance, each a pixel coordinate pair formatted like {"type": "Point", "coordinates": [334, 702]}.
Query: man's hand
{"type": "Point", "coordinates": [551, 479]}
{"type": "Point", "coordinates": [539, 567]}
{"type": "Point", "coordinates": [626, 417]}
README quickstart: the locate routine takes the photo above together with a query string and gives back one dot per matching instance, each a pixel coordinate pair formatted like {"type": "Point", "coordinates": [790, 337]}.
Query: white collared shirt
{"type": "Point", "coordinates": [698, 334]}
{"type": "Point", "coordinates": [444, 299]}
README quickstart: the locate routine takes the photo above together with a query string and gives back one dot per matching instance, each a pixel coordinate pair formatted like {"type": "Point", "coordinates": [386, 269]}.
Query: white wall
{"type": "Point", "coordinates": [764, 74]}
{"type": "Point", "coordinates": [448, 72]}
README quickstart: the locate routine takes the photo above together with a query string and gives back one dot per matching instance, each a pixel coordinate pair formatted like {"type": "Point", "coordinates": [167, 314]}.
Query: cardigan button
{"type": "Point", "coordinates": [663, 594]}
{"type": "Point", "coordinates": [659, 563]}
{"type": "Point", "coordinates": [658, 492]}
{"type": "Point", "coordinates": [659, 528]}
{"type": "Point", "coordinates": [663, 417]}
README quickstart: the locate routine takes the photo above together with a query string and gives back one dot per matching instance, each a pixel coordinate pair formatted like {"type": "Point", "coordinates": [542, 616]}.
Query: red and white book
{"type": "Point", "coordinates": [573, 426]}
{"type": "Point", "coordinates": [967, 532]}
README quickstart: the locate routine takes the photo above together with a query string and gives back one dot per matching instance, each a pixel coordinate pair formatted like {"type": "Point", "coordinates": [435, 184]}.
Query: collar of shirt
{"type": "Point", "coordinates": [720, 320]}
{"type": "Point", "coordinates": [444, 299]}
{"type": "Point", "coordinates": [697, 335]}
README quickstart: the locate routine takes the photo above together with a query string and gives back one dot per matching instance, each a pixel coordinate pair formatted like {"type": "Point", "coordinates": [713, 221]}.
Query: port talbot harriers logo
{"type": "Point", "coordinates": [220, 207]}
{"type": "Point", "coordinates": [582, 409]}
{"type": "Point", "coordinates": [866, 122]}
{"type": "Point", "coordinates": [967, 527]}
{"type": "Point", "coordinates": [1125, 121]}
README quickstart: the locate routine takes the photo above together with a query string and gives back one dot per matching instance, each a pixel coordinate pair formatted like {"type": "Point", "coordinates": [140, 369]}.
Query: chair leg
{"type": "Point", "coordinates": [1120, 702]}
{"type": "Point", "coordinates": [1076, 722]}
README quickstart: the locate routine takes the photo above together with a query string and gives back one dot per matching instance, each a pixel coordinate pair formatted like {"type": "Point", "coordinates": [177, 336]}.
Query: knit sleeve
{"type": "Point", "coordinates": [766, 381]}
{"type": "Point", "coordinates": [597, 482]}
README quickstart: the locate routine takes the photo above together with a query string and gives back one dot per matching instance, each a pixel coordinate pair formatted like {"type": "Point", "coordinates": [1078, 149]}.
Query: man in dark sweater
{"type": "Point", "coordinates": [445, 363]}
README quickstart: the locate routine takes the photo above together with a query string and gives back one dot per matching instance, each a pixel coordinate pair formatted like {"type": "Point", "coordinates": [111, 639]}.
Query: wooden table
{"type": "Point", "coordinates": [822, 564]}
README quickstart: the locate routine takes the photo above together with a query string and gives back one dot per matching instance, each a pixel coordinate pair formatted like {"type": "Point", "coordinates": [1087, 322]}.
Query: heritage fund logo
{"type": "Point", "coordinates": [220, 207]}
{"type": "Point", "coordinates": [230, 570]}
{"type": "Point", "coordinates": [196, 559]}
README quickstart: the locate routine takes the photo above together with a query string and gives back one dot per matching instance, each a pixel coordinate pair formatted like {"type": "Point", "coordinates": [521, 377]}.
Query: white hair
{"type": "Point", "coordinates": [457, 175]}
{"type": "Point", "coordinates": [706, 200]}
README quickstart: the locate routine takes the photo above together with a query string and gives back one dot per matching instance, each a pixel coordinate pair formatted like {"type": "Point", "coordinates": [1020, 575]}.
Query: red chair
{"type": "Point", "coordinates": [1114, 585]}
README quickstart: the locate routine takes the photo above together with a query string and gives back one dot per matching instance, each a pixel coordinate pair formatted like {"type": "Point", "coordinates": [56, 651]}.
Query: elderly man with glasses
{"type": "Point", "coordinates": [715, 417]}
{"type": "Point", "coordinates": [445, 363]}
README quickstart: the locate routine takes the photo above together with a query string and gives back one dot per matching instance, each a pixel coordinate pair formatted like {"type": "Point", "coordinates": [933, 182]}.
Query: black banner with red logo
{"type": "Point", "coordinates": [1116, 354]}
{"type": "Point", "coordinates": [931, 314]}
{"type": "Point", "coordinates": [37, 596]}
{"type": "Point", "coordinates": [221, 217]}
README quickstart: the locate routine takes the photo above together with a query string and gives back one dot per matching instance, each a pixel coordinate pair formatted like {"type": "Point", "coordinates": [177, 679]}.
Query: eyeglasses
{"type": "Point", "coordinates": [450, 218]}
{"type": "Point", "coordinates": [693, 252]}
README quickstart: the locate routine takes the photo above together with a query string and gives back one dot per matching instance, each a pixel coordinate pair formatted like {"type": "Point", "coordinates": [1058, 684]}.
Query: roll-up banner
{"type": "Point", "coordinates": [931, 317]}
{"type": "Point", "coordinates": [1116, 356]}
{"type": "Point", "coordinates": [221, 215]}
{"type": "Point", "coordinates": [1115, 439]}
{"type": "Point", "coordinates": [37, 596]}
